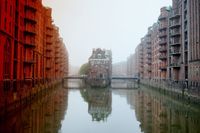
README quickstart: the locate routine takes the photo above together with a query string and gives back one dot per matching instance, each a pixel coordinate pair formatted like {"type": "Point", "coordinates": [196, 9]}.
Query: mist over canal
{"type": "Point", "coordinates": [123, 108]}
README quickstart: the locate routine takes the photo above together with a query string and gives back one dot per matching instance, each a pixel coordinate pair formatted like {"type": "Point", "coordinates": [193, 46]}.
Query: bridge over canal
{"type": "Point", "coordinates": [113, 77]}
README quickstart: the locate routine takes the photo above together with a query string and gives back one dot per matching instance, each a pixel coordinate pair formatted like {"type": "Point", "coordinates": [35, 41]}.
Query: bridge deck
{"type": "Point", "coordinates": [124, 78]}
{"type": "Point", "coordinates": [83, 77]}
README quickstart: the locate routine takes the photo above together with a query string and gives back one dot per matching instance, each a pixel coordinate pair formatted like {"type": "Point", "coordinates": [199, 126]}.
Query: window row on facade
{"type": "Point", "coordinates": [31, 51]}
{"type": "Point", "coordinates": [170, 50]}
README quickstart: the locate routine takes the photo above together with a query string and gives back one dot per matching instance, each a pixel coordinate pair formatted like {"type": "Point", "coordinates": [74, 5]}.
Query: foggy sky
{"type": "Point", "coordinates": [111, 24]}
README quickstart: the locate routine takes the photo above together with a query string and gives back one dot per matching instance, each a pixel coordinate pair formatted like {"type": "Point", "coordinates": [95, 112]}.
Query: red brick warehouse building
{"type": "Point", "coordinates": [31, 51]}
{"type": "Point", "coordinates": [171, 53]}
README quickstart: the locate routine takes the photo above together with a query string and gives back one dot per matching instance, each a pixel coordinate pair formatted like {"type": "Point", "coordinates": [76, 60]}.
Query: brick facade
{"type": "Point", "coordinates": [155, 63]}
{"type": "Point", "coordinates": [163, 42]}
{"type": "Point", "coordinates": [171, 51]}
{"type": "Point", "coordinates": [28, 44]}
{"type": "Point", "coordinates": [194, 43]}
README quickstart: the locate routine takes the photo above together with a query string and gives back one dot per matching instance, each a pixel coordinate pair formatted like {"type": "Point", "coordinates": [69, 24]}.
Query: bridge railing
{"type": "Point", "coordinates": [113, 77]}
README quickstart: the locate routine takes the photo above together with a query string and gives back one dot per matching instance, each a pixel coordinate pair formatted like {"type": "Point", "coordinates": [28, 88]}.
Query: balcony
{"type": "Point", "coordinates": [148, 41]}
{"type": "Point", "coordinates": [57, 61]}
{"type": "Point", "coordinates": [148, 51]}
{"type": "Point", "coordinates": [175, 65]}
{"type": "Point", "coordinates": [29, 61]}
{"type": "Point", "coordinates": [175, 33]}
{"type": "Point", "coordinates": [175, 52]}
{"type": "Point", "coordinates": [148, 34]}
{"type": "Point", "coordinates": [30, 17]}
{"type": "Point", "coordinates": [30, 29]}
{"type": "Point", "coordinates": [48, 66]}
{"type": "Point", "coordinates": [49, 26]}
{"type": "Point", "coordinates": [49, 40]}
{"type": "Point", "coordinates": [162, 42]}
{"type": "Point", "coordinates": [149, 57]}
{"type": "Point", "coordinates": [49, 32]}
{"type": "Point", "coordinates": [49, 56]}
{"type": "Point", "coordinates": [28, 78]}
{"type": "Point", "coordinates": [174, 15]}
{"type": "Point", "coordinates": [30, 43]}
{"type": "Point", "coordinates": [163, 68]}
{"type": "Point", "coordinates": [174, 25]}
{"type": "Point", "coordinates": [161, 17]}
{"type": "Point", "coordinates": [57, 52]}
{"type": "Point", "coordinates": [149, 62]}
{"type": "Point", "coordinates": [30, 5]}
{"type": "Point", "coordinates": [162, 34]}
{"type": "Point", "coordinates": [163, 49]}
{"type": "Point", "coordinates": [57, 46]}
{"type": "Point", "coordinates": [48, 48]}
{"type": "Point", "coordinates": [148, 69]}
{"type": "Point", "coordinates": [148, 47]}
{"type": "Point", "coordinates": [175, 43]}
{"type": "Point", "coordinates": [163, 27]}
{"type": "Point", "coordinates": [163, 57]}
{"type": "Point", "coordinates": [57, 57]}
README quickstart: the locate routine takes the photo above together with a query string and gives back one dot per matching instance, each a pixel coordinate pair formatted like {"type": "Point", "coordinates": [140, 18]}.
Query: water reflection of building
{"type": "Point", "coordinates": [99, 103]}
{"type": "Point", "coordinates": [128, 94]}
{"type": "Point", "coordinates": [43, 116]}
{"type": "Point", "coordinates": [160, 114]}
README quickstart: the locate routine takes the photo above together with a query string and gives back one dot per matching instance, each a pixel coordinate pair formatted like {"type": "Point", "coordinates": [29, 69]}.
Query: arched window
{"type": "Point", "coordinates": [7, 59]}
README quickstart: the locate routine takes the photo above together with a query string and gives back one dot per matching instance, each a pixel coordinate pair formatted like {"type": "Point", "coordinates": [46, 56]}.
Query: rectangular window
{"type": "Point", "coordinates": [7, 58]}
{"type": "Point", "coordinates": [6, 4]}
{"type": "Point", "coordinates": [5, 21]}
{"type": "Point", "coordinates": [10, 27]}
{"type": "Point", "coordinates": [0, 14]}
{"type": "Point", "coordinates": [17, 4]}
{"type": "Point", "coordinates": [21, 63]}
{"type": "Point", "coordinates": [10, 10]}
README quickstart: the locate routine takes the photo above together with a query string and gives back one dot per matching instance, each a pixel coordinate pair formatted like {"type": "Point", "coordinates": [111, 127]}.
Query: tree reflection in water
{"type": "Point", "coordinates": [99, 102]}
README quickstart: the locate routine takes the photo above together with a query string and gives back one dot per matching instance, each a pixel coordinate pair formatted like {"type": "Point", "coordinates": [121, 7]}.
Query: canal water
{"type": "Point", "coordinates": [125, 107]}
